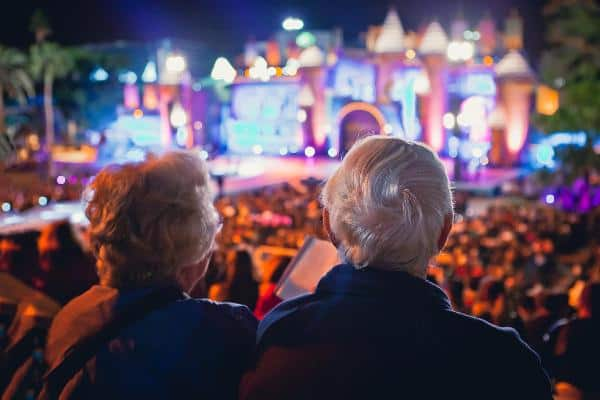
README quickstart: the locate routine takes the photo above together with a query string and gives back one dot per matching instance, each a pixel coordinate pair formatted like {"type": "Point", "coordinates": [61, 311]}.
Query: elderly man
{"type": "Point", "coordinates": [375, 328]}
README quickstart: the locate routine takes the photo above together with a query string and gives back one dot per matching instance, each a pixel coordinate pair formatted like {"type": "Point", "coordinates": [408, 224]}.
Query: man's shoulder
{"type": "Point", "coordinates": [289, 310]}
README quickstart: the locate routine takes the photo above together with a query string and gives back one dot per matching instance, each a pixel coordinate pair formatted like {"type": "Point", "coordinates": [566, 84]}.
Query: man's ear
{"type": "Point", "coordinates": [327, 227]}
{"type": "Point", "coordinates": [445, 231]}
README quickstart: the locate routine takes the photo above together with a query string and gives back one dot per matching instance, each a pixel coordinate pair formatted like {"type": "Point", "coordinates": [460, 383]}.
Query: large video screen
{"type": "Point", "coordinates": [264, 118]}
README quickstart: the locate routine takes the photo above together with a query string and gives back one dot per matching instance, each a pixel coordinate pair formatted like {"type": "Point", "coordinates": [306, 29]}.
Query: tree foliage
{"type": "Point", "coordinates": [571, 64]}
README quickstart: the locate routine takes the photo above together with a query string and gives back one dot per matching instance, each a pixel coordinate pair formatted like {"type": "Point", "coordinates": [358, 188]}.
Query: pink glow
{"type": "Point", "coordinates": [315, 78]}
{"type": "Point", "coordinates": [435, 102]}
{"type": "Point", "coordinates": [516, 97]}
{"type": "Point", "coordinates": [131, 96]}
{"type": "Point", "coordinates": [475, 110]}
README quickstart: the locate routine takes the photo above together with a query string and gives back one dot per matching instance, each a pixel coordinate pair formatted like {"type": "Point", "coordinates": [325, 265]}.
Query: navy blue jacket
{"type": "Point", "coordinates": [191, 348]}
{"type": "Point", "coordinates": [375, 334]}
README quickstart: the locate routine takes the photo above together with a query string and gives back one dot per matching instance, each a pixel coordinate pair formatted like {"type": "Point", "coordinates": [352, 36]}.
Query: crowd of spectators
{"type": "Point", "coordinates": [524, 265]}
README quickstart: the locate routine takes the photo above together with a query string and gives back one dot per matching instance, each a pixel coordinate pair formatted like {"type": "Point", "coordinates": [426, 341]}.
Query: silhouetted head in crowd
{"type": "Point", "coordinates": [589, 304]}
{"type": "Point", "coordinates": [153, 222]}
{"type": "Point", "coordinates": [388, 205]}
{"type": "Point", "coordinates": [243, 287]}
{"type": "Point", "coordinates": [57, 244]}
{"type": "Point", "coordinates": [280, 269]}
{"type": "Point", "coordinates": [20, 255]}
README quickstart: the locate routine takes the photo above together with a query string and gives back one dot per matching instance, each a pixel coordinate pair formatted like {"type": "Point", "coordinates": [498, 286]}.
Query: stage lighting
{"type": "Point", "coordinates": [309, 152]}
{"type": "Point", "coordinates": [301, 115]}
{"type": "Point", "coordinates": [149, 75]}
{"type": "Point", "coordinates": [99, 75]}
{"type": "Point", "coordinates": [178, 116]}
{"type": "Point", "coordinates": [333, 153]}
{"type": "Point", "coordinates": [223, 70]}
{"type": "Point", "coordinates": [292, 24]}
{"type": "Point", "coordinates": [6, 207]}
{"type": "Point", "coordinates": [449, 121]}
{"type": "Point", "coordinates": [257, 149]}
{"type": "Point", "coordinates": [42, 201]}
{"type": "Point", "coordinates": [175, 63]}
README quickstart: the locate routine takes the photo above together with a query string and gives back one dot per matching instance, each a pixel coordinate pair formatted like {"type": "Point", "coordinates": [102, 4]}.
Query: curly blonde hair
{"type": "Point", "coordinates": [149, 219]}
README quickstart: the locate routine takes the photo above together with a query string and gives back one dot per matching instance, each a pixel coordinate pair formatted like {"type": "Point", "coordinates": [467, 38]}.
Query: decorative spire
{"type": "Point", "coordinates": [434, 40]}
{"type": "Point", "coordinates": [311, 57]}
{"type": "Point", "coordinates": [513, 65]}
{"type": "Point", "coordinates": [391, 38]}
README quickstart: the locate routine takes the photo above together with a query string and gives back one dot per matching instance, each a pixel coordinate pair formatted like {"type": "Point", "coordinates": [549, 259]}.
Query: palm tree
{"type": "Point", "coordinates": [14, 80]}
{"type": "Point", "coordinates": [50, 61]}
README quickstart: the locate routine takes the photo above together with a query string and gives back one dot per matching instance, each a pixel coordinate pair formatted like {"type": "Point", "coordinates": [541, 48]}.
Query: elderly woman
{"type": "Point", "coordinates": [375, 327]}
{"type": "Point", "coordinates": [138, 334]}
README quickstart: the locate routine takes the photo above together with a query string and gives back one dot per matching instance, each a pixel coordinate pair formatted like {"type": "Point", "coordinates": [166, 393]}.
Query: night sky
{"type": "Point", "coordinates": [224, 25]}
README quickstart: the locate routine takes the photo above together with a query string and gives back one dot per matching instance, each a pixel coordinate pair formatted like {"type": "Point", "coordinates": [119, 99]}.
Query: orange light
{"type": "Point", "coordinates": [150, 97]}
{"type": "Point", "coordinates": [369, 108]}
{"type": "Point", "coordinates": [547, 101]}
{"type": "Point", "coordinates": [488, 60]}
{"type": "Point", "coordinates": [137, 113]}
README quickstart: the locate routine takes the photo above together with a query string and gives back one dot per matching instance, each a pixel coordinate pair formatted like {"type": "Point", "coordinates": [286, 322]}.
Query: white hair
{"type": "Point", "coordinates": [387, 203]}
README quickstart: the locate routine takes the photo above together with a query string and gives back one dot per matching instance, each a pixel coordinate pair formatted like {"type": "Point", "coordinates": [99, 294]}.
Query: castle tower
{"type": "Point", "coordinates": [487, 31]}
{"type": "Point", "coordinates": [433, 52]}
{"type": "Point", "coordinates": [514, 80]}
{"type": "Point", "coordinates": [314, 75]}
{"type": "Point", "coordinates": [389, 47]}
{"type": "Point", "coordinates": [513, 33]}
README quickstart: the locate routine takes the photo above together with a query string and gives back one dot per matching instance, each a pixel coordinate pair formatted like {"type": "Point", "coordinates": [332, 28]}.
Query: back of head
{"type": "Point", "coordinates": [590, 300]}
{"type": "Point", "coordinates": [387, 204]}
{"type": "Point", "coordinates": [148, 220]}
{"type": "Point", "coordinates": [244, 269]}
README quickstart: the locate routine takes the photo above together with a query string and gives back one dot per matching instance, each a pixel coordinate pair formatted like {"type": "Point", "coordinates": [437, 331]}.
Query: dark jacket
{"type": "Point", "coordinates": [191, 348]}
{"type": "Point", "coordinates": [574, 354]}
{"type": "Point", "coordinates": [378, 335]}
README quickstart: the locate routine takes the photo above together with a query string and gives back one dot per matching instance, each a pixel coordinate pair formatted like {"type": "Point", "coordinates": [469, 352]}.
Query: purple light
{"type": "Point", "coordinates": [61, 180]}
{"type": "Point", "coordinates": [72, 179]}
{"type": "Point", "coordinates": [549, 199]}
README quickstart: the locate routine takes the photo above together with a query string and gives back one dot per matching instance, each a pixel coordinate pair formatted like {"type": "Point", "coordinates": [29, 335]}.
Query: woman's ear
{"type": "Point", "coordinates": [327, 227]}
{"type": "Point", "coordinates": [189, 275]}
{"type": "Point", "coordinates": [445, 231]}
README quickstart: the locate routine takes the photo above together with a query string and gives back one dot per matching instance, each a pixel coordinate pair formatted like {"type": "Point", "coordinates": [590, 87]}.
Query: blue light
{"type": "Point", "coordinates": [181, 136]}
{"type": "Point", "coordinates": [565, 138]}
{"type": "Point", "coordinates": [355, 80]}
{"type": "Point", "coordinates": [474, 84]}
{"type": "Point", "coordinates": [129, 77]}
{"type": "Point", "coordinates": [549, 199]}
{"type": "Point", "coordinates": [453, 145]}
{"type": "Point", "coordinates": [6, 207]}
{"type": "Point", "coordinates": [42, 201]}
{"type": "Point", "coordinates": [99, 75]}
{"type": "Point", "coordinates": [135, 155]}
{"type": "Point", "coordinates": [544, 155]}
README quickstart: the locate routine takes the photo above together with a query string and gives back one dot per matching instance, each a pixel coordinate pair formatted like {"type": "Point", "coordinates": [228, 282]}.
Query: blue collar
{"type": "Point", "coordinates": [395, 286]}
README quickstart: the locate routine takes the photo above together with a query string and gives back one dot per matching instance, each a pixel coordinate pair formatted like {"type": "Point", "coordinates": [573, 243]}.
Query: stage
{"type": "Point", "coordinates": [242, 173]}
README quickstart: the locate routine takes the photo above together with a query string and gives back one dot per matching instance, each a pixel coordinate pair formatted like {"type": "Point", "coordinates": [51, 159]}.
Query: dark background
{"type": "Point", "coordinates": [224, 25]}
